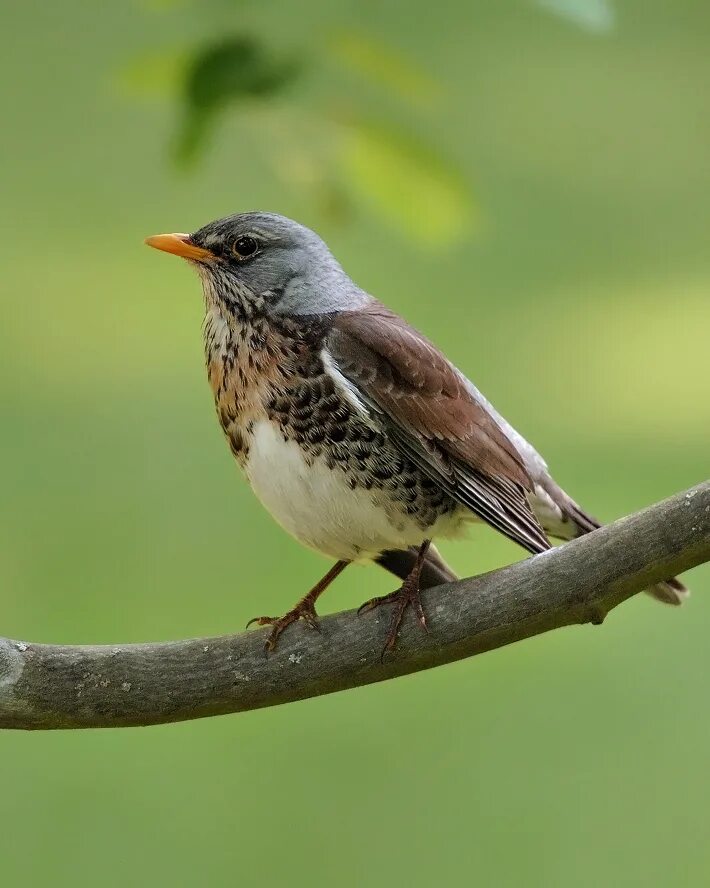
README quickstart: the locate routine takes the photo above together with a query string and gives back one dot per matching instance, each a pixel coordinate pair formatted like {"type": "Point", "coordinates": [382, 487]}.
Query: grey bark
{"type": "Point", "coordinates": [63, 686]}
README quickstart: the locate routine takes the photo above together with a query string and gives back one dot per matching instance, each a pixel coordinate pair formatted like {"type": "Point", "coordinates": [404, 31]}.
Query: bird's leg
{"type": "Point", "coordinates": [303, 610]}
{"type": "Point", "coordinates": [407, 594]}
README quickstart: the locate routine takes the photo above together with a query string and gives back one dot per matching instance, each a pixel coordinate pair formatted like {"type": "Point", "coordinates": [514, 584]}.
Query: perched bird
{"type": "Point", "coordinates": [357, 434]}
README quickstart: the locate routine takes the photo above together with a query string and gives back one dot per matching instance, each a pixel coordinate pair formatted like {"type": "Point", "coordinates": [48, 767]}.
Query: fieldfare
{"type": "Point", "coordinates": [357, 434]}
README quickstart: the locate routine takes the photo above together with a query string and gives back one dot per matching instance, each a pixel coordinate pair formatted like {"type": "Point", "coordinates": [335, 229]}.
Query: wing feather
{"type": "Point", "coordinates": [434, 418]}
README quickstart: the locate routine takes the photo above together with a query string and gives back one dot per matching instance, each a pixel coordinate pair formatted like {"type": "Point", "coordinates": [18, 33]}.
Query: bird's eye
{"type": "Point", "coordinates": [244, 247]}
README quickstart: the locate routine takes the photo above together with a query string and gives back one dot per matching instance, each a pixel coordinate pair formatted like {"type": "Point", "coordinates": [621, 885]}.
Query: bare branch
{"type": "Point", "coordinates": [53, 686]}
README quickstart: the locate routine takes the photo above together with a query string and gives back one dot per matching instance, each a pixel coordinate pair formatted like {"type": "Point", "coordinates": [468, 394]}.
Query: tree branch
{"type": "Point", "coordinates": [62, 686]}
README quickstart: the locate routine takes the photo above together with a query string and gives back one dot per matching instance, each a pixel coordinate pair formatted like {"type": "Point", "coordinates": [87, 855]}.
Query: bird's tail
{"type": "Point", "coordinates": [435, 570]}
{"type": "Point", "coordinates": [669, 592]}
{"type": "Point", "coordinates": [562, 518]}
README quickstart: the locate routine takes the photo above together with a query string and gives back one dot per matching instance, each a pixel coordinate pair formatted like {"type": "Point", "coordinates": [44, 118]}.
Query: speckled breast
{"type": "Point", "coordinates": [272, 385]}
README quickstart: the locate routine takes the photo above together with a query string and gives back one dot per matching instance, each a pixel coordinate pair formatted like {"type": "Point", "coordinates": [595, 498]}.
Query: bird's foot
{"type": "Point", "coordinates": [304, 610]}
{"type": "Point", "coordinates": [407, 595]}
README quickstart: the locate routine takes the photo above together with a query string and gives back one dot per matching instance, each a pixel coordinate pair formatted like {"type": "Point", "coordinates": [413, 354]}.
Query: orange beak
{"type": "Point", "coordinates": [180, 245]}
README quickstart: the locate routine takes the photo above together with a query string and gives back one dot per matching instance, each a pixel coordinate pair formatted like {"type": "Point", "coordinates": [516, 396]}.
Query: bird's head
{"type": "Point", "coordinates": [266, 260]}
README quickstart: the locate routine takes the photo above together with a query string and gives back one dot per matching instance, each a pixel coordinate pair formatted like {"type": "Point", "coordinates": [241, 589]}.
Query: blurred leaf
{"type": "Point", "coordinates": [157, 74]}
{"type": "Point", "coordinates": [237, 70]}
{"type": "Point", "coordinates": [594, 15]}
{"type": "Point", "coordinates": [384, 66]}
{"type": "Point", "coordinates": [406, 183]}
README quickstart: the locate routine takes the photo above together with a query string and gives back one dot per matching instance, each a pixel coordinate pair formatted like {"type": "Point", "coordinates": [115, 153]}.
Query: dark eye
{"type": "Point", "coordinates": [244, 247]}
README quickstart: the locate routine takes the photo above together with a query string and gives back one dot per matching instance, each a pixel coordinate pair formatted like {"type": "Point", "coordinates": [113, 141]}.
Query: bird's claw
{"type": "Point", "coordinates": [302, 611]}
{"type": "Point", "coordinates": [407, 595]}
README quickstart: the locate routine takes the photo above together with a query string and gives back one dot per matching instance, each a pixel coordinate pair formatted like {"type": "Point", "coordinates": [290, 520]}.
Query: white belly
{"type": "Point", "coordinates": [316, 505]}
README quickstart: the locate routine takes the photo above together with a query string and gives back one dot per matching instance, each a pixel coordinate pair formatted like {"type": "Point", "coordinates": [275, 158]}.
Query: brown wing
{"type": "Point", "coordinates": [431, 414]}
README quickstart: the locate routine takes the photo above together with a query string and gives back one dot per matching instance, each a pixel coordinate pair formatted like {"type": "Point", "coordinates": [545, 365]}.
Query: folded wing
{"type": "Point", "coordinates": [433, 417]}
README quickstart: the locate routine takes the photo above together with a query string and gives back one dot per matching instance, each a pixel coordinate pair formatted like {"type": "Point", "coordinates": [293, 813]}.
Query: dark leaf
{"type": "Point", "coordinates": [237, 69]}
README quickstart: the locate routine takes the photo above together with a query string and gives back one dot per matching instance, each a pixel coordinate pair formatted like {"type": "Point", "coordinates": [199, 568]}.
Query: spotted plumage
{"type": "Point", "coordinates": [354, 430]}
{"type": "Point", "coordinates": [275, 381]}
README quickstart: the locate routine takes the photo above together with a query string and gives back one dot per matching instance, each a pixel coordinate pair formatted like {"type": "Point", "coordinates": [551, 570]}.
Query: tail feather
{"type": "Point", "coordinates": [401, 561]}
{"type": "Point", "coordinates": [561, 517]}
{"type": "Point", "coordinates": [669, 592]}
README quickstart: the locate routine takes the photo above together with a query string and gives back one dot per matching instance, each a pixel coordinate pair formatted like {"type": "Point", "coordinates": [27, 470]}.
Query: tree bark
{"type": "Point", "coordinates": [63, 686]}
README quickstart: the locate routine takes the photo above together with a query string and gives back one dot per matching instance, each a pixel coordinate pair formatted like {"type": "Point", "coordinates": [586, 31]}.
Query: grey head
{"type": "Point", "coordinates": [268, 261]}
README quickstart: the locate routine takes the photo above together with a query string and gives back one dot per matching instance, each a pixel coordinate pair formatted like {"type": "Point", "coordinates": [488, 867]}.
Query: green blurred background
{"type": "Point", "coordinates": [527, 182]}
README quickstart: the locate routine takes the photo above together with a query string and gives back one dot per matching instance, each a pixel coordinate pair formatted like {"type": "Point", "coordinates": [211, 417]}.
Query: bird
{"type": "Point", "coordinates": [354, 430]}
